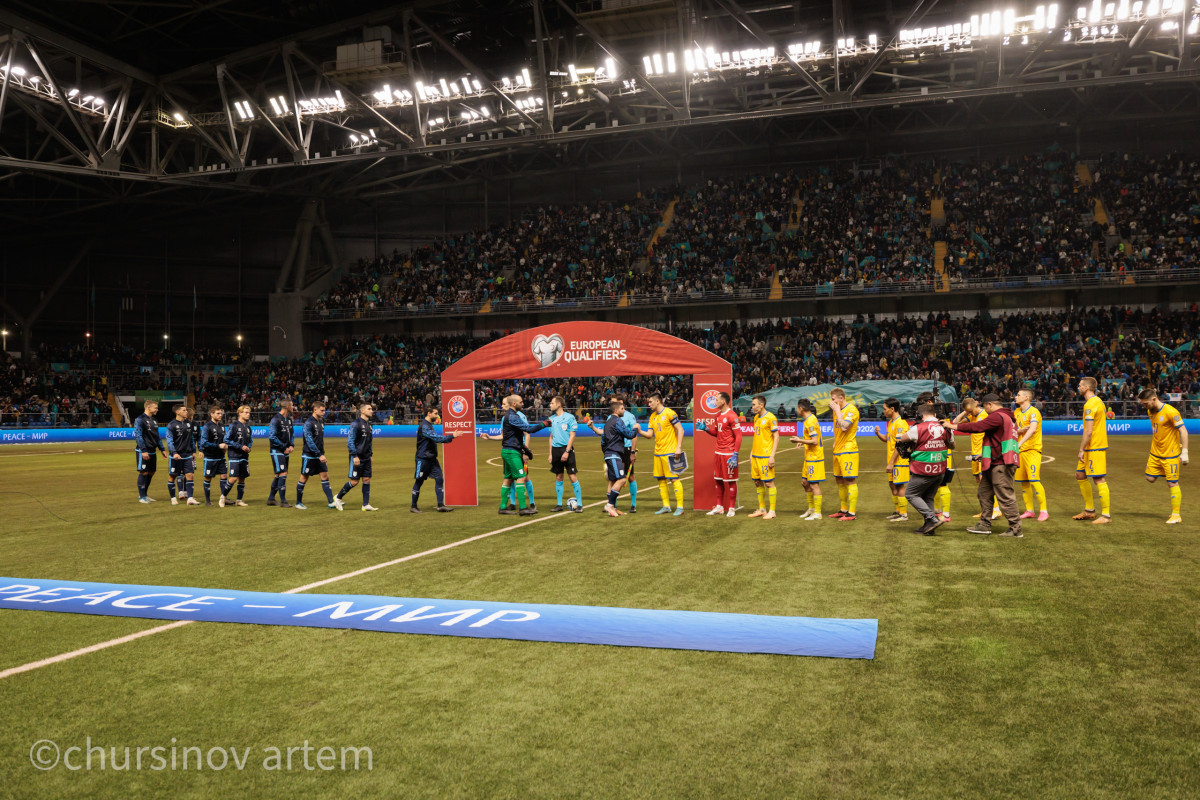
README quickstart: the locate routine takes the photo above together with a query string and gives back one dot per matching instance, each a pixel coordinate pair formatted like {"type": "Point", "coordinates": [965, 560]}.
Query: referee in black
{"type": "Point", "coordinates": [427, 460]}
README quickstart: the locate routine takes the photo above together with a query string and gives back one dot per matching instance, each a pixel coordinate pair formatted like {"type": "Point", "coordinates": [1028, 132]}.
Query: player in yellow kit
{"type": "Point", "coordinates": [762, 456]}
{"type": "Point", "coordinates": [667, 432]}
{"type": "Point", "coordinates": [1029, 470]}
{"type": "Point", "coordinates": [973, 412]}
{"type": "Point", "coordinates": [1093, 448]}
{"type": "Point", "coordinates": [897, 467]}
{"type": "Point", "coordinates": [1168, 448]}
{"type": "Point", "coordinates": [845, 454]}
{"type": "Point", "coordinates": [814, 457]}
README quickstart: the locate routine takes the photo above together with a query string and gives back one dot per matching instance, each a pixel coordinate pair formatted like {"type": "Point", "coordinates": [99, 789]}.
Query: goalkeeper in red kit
{"type": "Point", "coordinates": [728, 431]}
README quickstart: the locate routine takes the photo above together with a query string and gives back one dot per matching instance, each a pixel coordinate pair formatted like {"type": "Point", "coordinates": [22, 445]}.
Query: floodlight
{"type": "Point", "coordinates": [1123, 10]}
{"type": "Point", "coordinates": [525, 74]}
{"type": "Point", "coordinates": [689, 61]}
{"type": "Point", "coordinates": [484, 110]}
{"type": "Point", "coordinates": [178, 117]}
{"type": "Point", "coordinates": [872, 40]}
{"type": "Point", "coordinates": [283, 104]}
{"type": "Point", "coordinates": [671, 62]}
{"type": "Point", "coordinates": [18, 70]}
{"type": "Point", "coordinates": [338, 94]}
{"type": "Point", "coordinates": [574, 75]}
{"type": "Point", "coordinates": [372, 132]}
{"type": "Point", "coordinates": [658, 65]}
{"type": "Point", "coordinates": [610, 67]}
{"type": "Point", "coordinates": [35, 79]}
{"type": "Point", "coordinates": [87, 99]}
{"type": "Point", "coordinates": [354, 137]}
{"type": "Point", "coordinates": [1096, 12]}
{"type": "Point", "coordinates": [72, 93]}
{"type": "Point", "coordinates": [646, 63]}
{"type": "Point", "coordinates": [421, 90]}
{"type": "Point", "coordinates": [445, 87]}
{"type": "Point", "coordinates": [275, 106]}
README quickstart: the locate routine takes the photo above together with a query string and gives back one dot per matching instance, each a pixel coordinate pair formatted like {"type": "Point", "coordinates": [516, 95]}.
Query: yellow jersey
{"type": "Point", "coordinates": [813, 452]}
{"type": "Point", "coordinates": [1167, 441]}
{"type": "Point", "coordinates": [765, 427]}
{"type": "Point", "coordinates": [1095, 411]}
{"type": "Point", "coordinates": [663, 425]}
{"type": "Point", "coordinates": [1024, 420]}
{"type": "Point", "coordinates": [846, 441]}
{"type": "Point", "coordinates": [977, 438]}
{"type": "Point", "coordinates": [895, 429]}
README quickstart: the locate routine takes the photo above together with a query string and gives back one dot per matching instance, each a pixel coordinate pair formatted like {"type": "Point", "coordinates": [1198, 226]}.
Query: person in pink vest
{"type": "Point", "coordinates": [999, 459]}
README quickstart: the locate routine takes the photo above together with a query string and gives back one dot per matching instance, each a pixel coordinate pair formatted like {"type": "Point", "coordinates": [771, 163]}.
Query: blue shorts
{"type": "Point", "coordinates": [428, 468]}
{"type": "Point", "coordinates": [363, 470]}
{"type": "Point", "coordinates": [239, 467]}
{"type": "Point", "coordinates": [279, 462]}
{"type": "Point", "coordinates": [185, 465]}
{"type": "Point", "coordinates": [147, 464]}
{"type": "Point", "coordinates": [614, 467]}
{"type": "Point", "coordinates": [213, 467]}
{"type": "Point", "coordinates": [312, 465]}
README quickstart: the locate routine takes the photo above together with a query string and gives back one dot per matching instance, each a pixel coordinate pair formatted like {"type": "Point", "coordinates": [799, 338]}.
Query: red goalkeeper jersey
{"type": "Point", "coordinates": [728, 431]}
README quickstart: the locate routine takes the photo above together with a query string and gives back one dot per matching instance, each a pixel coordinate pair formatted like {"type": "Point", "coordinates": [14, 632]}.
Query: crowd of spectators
{"type": "Point", "coordinates": [864, 226]}
{"type": "Point", "coordinates": [1126, 349]}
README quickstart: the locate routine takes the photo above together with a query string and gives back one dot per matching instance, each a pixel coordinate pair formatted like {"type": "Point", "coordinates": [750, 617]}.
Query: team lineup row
{"type": "Point", "coordinates": [1005, 446]}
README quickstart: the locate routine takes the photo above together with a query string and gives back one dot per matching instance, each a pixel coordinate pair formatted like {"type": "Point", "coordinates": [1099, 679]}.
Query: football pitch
{"type": "Point", "coordinates": [1060, 665]}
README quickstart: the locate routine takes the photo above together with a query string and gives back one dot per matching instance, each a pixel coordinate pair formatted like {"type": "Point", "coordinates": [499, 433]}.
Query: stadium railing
{"type": "Point", "coordinates": [821, 291]}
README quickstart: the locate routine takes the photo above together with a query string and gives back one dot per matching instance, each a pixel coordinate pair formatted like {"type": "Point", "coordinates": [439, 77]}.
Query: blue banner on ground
{"type": "Point", "coordinates": [623, 627]}
{"type": "Point", "coordinates": [1051, 427]}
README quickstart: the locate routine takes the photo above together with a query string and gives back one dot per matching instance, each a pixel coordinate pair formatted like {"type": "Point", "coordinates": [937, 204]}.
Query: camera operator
{"type": "Point", "coordinates": [998, 465]}
{"type": "Point", "coordinates": [929, 441]}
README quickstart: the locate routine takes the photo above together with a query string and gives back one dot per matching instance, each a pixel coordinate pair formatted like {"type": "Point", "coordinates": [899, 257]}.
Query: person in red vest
{"type": "Point", "coordinates": [728, 431]}
{"type": "Point", "coordinates": [999, 464]}
{"type": "Point", "coordinates": [931, 442]}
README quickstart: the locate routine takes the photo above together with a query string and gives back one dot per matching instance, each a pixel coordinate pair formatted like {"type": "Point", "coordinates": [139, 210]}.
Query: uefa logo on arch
{"type": "Point", "coordinates": [548, 349]}
{"type": "Point", "coordinates": [711, 401]}
{"type": "Point", "coordinates": [457, 406]}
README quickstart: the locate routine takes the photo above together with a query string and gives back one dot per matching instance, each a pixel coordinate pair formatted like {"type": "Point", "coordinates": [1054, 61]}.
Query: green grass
{"type": "Point", "coordinates": [1061, 665]}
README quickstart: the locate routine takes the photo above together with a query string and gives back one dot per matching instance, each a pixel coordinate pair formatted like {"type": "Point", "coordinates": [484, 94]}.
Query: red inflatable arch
{"type": "Point", "coordinates": [579, 350]}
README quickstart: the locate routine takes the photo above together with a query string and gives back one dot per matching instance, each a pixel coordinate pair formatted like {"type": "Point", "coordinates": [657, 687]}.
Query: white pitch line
{"type": "Point", "coordinates": [38, 455]}
{"type": "Point", "coordinates": [45, 662]}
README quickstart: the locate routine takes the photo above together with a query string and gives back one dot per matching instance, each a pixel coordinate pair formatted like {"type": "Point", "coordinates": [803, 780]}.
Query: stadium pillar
{"type": "Point", "coordinates": [458, 414]}
{"type": "Point", "coordinates": [705, 392]}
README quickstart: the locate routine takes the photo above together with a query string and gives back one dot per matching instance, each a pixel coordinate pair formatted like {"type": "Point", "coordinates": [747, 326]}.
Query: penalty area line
{"type": "Point", "coordinates": [83, 651]}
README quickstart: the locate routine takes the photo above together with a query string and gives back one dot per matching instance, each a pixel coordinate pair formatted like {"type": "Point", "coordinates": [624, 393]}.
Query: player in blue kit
{"type": "Point", "coordinates": [282, 438]}
{"type": "Point", "coordinates": [212, 445]}
{"type": "Point", "coordinates": [562, 452]}
{"type": "Point", "coordinates": [427, 461]}
{"type": "Point", "coordinates": [181, 458]}
{"type": "Point", "coordinates": [358, 442]}
{"type": "Point", "coordinates": [148, 444]}
{"type": "Point", "coordinates": [238, 441]}
{"type": "Point", "coordinates": [312, 458]}
{"type": "Point", "coordinates": [612, 444]}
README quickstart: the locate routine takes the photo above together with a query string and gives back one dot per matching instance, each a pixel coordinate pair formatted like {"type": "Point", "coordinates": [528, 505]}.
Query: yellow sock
{"type": "Point", "coordinates": [817, 503]}
{"type": "Point", "coordinates": [937, 501]}
{"type": "Point", "coordinates": [1027, 496]}
{"type": "Point", "coordinates": [996, 507]}
{"type": "Point", "coordinates": [1102, 490]}
{"type": "Point", "coordinates": [1039, 492]}
{"type": "Point", "coordinates": [896, 503]}
{"type": "Point", "coordinates": [1085, 488]}
{"type": "Point", "coordinates": [1176, 498]}
{"type": "Point", "coordinates": [678, 493]}
{"type": "Point", "coordinates": [771, 496]}
{"type": "Point", "coordinates": [810, 500]}
{"type": "Point", "coordinates": [943, 494]}
{"type": "Point", "coordinates": [664, 494]}
{"type": "Point", "coordinates": [901, 505]}
{"type": "Point", "coordinates": [761, 491]}
{"type": "Point", "coordinates": [842, 494]}
{"type": "Point", "coordinates": [851, 498]}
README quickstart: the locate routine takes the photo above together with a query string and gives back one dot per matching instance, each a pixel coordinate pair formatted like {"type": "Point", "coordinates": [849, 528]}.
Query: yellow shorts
{"type": "Point", "coordinates": [1029, 470]}
{"type": "Point", "coordinates": [899, 475]}
{"type": "Point", "coordinates": [845, 465]}
{"type": "Point", "coordinates": [662, 467]}
{"type": "Point", "coordinates": [1095, 465]}
{"type": "Point", "coordinates": [1163, 467]}
{"type": "Point", "coordinates": [759, 471]}
{"type": "Point", "coordinates": [814, 471]}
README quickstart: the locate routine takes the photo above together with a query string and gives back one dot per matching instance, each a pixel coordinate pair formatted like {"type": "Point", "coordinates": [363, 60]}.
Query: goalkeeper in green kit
{"type": "Point", "coordinates": [512, 436]}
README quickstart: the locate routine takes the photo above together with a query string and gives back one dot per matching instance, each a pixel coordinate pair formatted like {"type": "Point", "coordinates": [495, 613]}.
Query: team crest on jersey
{"type": "Point", "coordinates": [457, 405]}
{"type": "Point", "coordinates": [548, 349]}
{"type": "Point", "coordinates": [710, 401]}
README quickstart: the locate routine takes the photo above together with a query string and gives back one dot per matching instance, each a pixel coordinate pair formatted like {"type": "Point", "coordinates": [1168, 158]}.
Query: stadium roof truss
{"type": "Point", "coordinates": [423, 111]}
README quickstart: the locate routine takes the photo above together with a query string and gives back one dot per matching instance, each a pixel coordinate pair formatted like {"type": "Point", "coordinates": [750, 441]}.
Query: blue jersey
{"type": "Point", "coordinates": [145, 434]}
{"type": "Point", "coordinates": [428, 439]}
{"type": "Point", "coordinates": [280, 433]}
{"type": "Point", "coordinates": [179, 439]}
{"type": "Point", "coordinates": [514, 428]}
{"type": "Point", "coordinates": [561, 427]}
{"type": "Point", "coordinates": [237, 437]}
{"type": "Point", "coordinates": [314, 438]}
{"type": "Point", "coordinates": [616, 432]}
{"type": "Point", "coordinates": [630, 422]}
{"type": "Point", "coordinates": [358, 442]}
{"type": "Point", "coordinates": [211, 439]}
